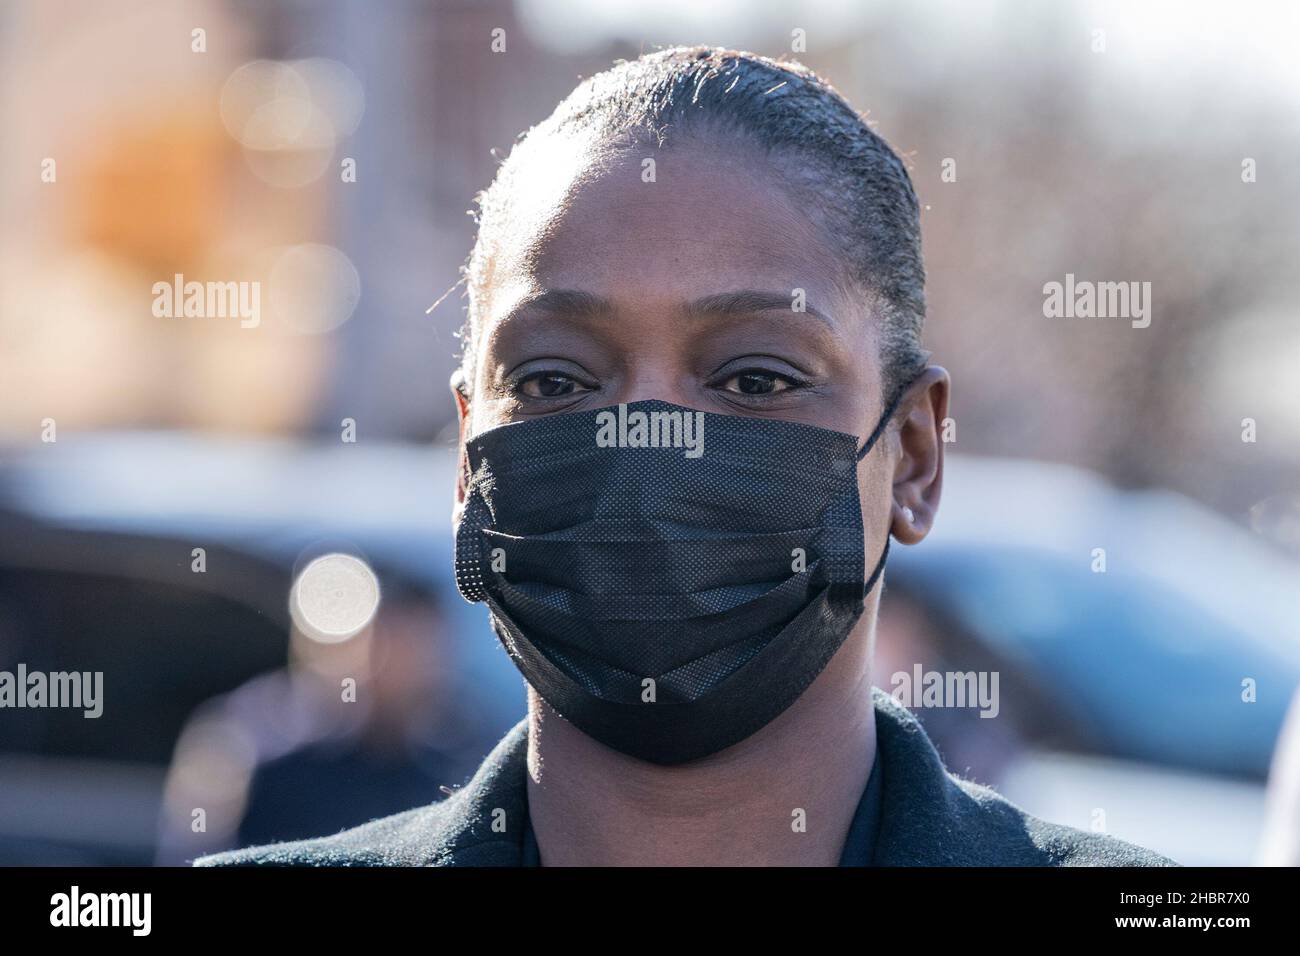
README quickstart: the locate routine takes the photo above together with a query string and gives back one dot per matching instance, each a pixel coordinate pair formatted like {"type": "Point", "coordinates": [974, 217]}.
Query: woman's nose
{"type": "Point", "coordinates": [657, 381]}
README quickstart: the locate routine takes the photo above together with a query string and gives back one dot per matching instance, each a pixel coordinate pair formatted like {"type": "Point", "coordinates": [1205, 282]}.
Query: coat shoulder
{"type": "Point", "coordinates": [477, 825]}
{"type": "Point", "coordinates": [932, 817]}
{"type": "Point", "coordinates": [409, 838]}
{"type": "Point", "coordinates": [1055, 844]}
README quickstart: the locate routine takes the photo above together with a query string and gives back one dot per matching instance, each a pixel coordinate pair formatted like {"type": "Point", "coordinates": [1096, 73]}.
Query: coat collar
{"type": "Point", "coordinates": [927, 817]}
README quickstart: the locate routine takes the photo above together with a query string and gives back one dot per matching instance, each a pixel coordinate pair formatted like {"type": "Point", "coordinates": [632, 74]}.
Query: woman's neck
{"type": "Point", "coordinates": [785, 796]}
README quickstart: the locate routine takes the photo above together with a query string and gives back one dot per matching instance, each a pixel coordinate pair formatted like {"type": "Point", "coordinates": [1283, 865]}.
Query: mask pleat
{"type": "Point", "coordinates": [654, 566]}
{"type": "Point", "coordinates": [656, 640]}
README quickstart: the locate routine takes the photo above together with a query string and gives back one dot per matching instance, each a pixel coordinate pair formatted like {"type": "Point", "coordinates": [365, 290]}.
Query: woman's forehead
{"type": "Point", "coordinates": [673, 225]}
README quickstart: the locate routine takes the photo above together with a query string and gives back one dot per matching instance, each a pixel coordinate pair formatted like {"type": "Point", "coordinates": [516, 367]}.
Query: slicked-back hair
{"type": "Point", "coordinates": [847, 177]}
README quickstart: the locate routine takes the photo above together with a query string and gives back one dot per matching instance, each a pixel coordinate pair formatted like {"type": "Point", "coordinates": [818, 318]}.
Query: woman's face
{"type": "Point", "coordinates": [604, 288]}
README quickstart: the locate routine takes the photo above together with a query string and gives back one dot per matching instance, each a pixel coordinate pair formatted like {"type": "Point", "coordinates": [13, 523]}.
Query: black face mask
{"type": "Point", "coordinates": [668, 583]}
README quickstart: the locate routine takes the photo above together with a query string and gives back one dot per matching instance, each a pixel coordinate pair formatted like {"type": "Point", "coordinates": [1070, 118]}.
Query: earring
{"type": "Point", "coordinates": [907, 514]}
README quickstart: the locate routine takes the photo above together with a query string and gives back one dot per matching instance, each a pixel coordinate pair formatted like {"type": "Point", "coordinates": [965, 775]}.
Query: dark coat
{"type": "Point", "coordinates": [928, 817]}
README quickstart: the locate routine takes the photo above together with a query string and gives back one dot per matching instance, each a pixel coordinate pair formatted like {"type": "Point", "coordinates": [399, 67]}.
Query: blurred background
{"type": "Point", "coordinates": [330, 151]}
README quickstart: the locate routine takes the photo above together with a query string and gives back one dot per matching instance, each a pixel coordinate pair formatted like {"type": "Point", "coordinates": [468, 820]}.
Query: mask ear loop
{"type": "Point", "coordinates": [885, 417]}
{"type": "Point", "coordinates": [880, 569]}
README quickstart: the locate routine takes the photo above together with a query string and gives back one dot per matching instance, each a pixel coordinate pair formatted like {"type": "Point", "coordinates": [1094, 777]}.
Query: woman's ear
{"type": "Point", "coordinates": [460, 394]}
{"type": "Point", "coordinates": [918, 476]}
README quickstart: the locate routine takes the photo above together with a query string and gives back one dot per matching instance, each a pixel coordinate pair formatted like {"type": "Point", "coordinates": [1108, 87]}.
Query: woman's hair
{"type": "Point", "coordinates": [846, 175]}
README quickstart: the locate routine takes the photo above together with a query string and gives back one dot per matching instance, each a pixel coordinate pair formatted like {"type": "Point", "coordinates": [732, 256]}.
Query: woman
{"type": "Point", "coordinates": [693, 285]}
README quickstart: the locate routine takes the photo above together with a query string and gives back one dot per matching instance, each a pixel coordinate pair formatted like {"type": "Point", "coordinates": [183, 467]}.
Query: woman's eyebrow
{"type": "Point", "coordinates": [575, 303]}
{"type": "Point", "coordinates": [750, 301]}
{"type": "Point", "coordinates": [570, 302]}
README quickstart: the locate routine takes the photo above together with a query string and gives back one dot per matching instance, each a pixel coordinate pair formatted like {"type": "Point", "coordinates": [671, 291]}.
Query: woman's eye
{"type": "Point", "coordinates": [757, 383]}
{"type": "Point", "coordinates": [549, 385]}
